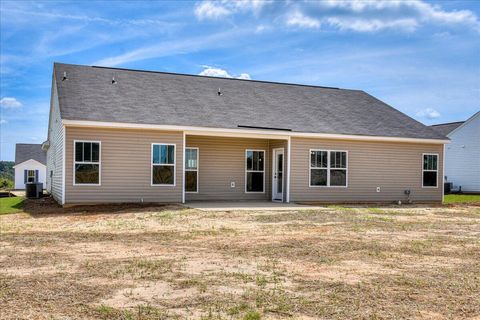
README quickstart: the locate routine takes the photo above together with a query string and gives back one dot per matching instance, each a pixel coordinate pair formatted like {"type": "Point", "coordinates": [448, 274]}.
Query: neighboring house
{"type": "Point", "coordinates": [118, 135]}
{"type": "Point", "coordinates": [462, 155]}
{"type": "Point", "coordinates": [30, 164]}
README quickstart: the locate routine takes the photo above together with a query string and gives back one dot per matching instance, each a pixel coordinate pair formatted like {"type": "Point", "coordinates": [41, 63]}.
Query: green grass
{"type": "Point", "coordinates": [461, 198]}
{"type": "Point", "coordinates": [11, 205]}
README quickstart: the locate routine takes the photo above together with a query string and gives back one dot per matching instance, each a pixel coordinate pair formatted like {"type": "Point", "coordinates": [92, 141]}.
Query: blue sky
{"type": "Point", "coordinates": [420, 57]}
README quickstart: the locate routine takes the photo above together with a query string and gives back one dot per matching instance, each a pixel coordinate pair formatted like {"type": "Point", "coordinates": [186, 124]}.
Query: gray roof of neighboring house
{"type": "Point", "coordinates": [27, 151]}
{"type": "Point", "coordinates": [446, 128]}
{"type": "Point", "coordinates": [147, 97]}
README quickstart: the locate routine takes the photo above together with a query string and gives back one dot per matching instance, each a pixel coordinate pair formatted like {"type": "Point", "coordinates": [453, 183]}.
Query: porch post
{"type": "Point", "coordinates": [288, 168]}
{"type": "Point", "coordinates": [183, 167]}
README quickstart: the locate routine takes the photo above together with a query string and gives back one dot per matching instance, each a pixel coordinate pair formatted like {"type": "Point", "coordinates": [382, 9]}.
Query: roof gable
{"type": "Point", "coordinates": [26, 151]}
{"type": "Point", "coordinates": [29, 162]}
{"type": "Point", "coordinates": [157, 98]}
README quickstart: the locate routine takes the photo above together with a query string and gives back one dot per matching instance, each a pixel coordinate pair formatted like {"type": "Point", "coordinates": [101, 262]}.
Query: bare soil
{"type": "Point", "coordinates": [164, 262]}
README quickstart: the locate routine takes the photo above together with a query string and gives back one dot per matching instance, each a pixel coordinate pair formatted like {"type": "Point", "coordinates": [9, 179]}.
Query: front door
{"type": "Point", "coordinates": [277, 174]}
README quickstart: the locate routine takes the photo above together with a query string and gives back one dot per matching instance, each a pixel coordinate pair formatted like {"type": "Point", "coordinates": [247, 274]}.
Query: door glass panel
{"type": "Point", "coordinates": [279, 173]}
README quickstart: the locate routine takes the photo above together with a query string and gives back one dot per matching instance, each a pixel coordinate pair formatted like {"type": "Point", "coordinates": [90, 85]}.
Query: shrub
{"type": "Point", "coordinates": [6, 183]}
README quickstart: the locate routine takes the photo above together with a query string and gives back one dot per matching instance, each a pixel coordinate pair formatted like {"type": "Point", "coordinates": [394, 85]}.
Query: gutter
{"type": "Point", "coordinates": [253, 133]}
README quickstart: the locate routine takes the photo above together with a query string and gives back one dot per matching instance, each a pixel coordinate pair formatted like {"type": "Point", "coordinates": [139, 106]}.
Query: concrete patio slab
{"type": "Point", "coordinates": [247, 205]}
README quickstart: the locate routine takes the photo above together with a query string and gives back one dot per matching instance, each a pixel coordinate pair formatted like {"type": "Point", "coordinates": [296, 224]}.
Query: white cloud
{"type": "Point", "coordinates": [175, 47]}
{"type": "Point", "coordinates": [10, 103]}
{"type": "Point", "coordinates": [209, 10]}
{"type": "Point", "coordinates": [244, 76]}
{"type": "Point", "coordinates": [353, 15]}
{"type": "Point", "coordinates": [298, 19]}
{"type": "Point", "coordinates": [372, 25]}
{"type": "Point", "coordinates": [367, 16]}
{"type": "Point", "coordinates": [213, 10]}
{"type": "Point", "coordinates": [3, 121]}
{"type": "Point", "coordinates": [261, 28]}
{"type": "Point", "coordinates": [428, 113]}
{"type": "Point", "coordinates": [217, 72]}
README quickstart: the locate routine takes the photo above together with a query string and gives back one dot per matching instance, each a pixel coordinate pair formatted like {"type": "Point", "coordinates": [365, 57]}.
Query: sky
{"type": "Point", "coordinates": [422, 58]}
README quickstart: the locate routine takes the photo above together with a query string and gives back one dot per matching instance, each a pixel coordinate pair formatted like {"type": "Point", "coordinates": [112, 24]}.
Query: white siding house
{"type": "Point", "coordinates": [30, 165]}
{"type": "Point", "coordinates": [462, 155]}
{"type": "Point", "coordinates": [29, 171]}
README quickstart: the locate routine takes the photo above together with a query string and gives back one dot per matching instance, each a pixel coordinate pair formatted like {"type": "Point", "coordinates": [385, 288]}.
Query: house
{"type": "Point", "coordinates": [119, 135]}
{"type": "Point", "coordinates": [462, 155]}
{"type": "Point", "coordinates": [30, 164]}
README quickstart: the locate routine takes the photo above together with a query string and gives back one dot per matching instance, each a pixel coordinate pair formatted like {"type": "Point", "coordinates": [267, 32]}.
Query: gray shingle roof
{"type": "Point", "coordinates": [146, 97]}
{"type": "Point", "coordinates": [26, 151]}
{"type": "Point", "coordinates": [446, 128]}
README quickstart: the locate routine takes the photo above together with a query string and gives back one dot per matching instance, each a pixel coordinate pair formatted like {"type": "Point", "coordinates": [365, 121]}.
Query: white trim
{"type": "Point", "coordinates": [36, 162]}
{"type": "Point", "coordinates": [183, 170]}
{"type": "Point", "coordinates": [258, 133]}
{"type": "Point", "coordinates": [328, 168]}
{"type": "Point", "coordinates": [91, 162]}
{"type": "Point", "coordinates": [274, 166]}
{"type": "Point", "coordinates": [28, 175]}
{"type": "Point", "coordinates": [158, 164]}
{"type": "Point", "coordinates": [196, 170]}
{"type": "Point", "coordinates": [289, 144]}
{"type": "Point", "coordinates": [443, 174]}
{"type": "Point", "coordinates": [247, 171]}
{"type": "Point", "coordinates": [64, 153]}
{"type": "Point", "coordinates": [423, 170]}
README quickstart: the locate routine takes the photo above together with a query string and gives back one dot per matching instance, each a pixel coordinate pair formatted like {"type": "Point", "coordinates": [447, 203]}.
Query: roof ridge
{"type": "Point", "coordinates": [32, 144]}
{"type": "Point", "coordinates": [211, 77]}
{"type": "Point", "coordinates": [442, 124]}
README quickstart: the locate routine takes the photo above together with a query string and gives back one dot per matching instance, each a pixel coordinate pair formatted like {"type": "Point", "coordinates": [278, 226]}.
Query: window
{"type": "Point", "coordinates": [163, 164]}
{"type": "Point", "coordinates": [191, 169]}
{"type": "Point", "coordinates": [328, 168]}
{"type": "Point", "coordinates": [430, 170]}
{"type": "Point", "coordinates": [255, 171]}
{"type": "Point", "coordinates": [87, 162]}
{"type": "Point", "coordinates": [31, 176]}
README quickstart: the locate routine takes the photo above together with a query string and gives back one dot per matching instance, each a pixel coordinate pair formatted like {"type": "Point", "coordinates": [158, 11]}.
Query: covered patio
{"type": "Point", "coordinates": [236, 167]}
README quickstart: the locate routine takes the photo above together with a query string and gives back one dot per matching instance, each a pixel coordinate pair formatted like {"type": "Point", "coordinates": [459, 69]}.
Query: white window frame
{"type": "Point", "coordinates": [28, 176]}
{"type": "Point", "coordinates": [169, 164]}
{"type": "Point", "coordinates": [82, 162]}
{"type": "Point", "coordinates": [197, 170]}
{"type": "Point", "coordinates": [423, 170]}
{"type": "Point", "coordinates": [263, 171]}
{"type": "Point", "coordinates": [328, 168]}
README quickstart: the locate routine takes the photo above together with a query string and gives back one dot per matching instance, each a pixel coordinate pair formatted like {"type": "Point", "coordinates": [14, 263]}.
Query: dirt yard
{"type": "Point", "coordinates": [126, 262]}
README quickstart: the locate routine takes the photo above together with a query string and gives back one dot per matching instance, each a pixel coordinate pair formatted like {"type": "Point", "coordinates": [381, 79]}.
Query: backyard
{"type": "Point", "coordinates": [158, 262]}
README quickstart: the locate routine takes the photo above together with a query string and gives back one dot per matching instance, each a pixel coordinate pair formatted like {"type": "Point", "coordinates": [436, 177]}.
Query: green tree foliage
{"type": "Point", "coordinates": [7, 174]}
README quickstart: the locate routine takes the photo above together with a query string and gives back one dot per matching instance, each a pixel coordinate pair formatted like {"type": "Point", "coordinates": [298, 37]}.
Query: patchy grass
{"type": "Point", "coordinates": [462, 198]}
{"type": "Point", "coordinates": [131, 262]}
{"type": "Point", "coordinates": [11, 205]}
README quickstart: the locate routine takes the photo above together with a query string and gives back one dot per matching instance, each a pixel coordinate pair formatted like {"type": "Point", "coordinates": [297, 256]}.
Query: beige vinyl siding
{"type": "Point", "coordinates": [125, 166]}
{"type": "Point", "coordinates": [394, 167]}
{"type": "Point", "coordinates": [274, 144]}
{"type": "Point", "coordinates": [221, 161]}
{"type": "Point", "coordinates": [55, 150]}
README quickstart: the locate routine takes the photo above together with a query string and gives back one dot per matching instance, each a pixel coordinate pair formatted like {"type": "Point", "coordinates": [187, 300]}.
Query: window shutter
{"type": "Point", "coordinates": [24, 176]}
{"type": "Point", "coordinates": [36, 175]}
